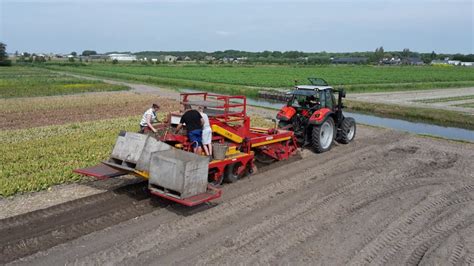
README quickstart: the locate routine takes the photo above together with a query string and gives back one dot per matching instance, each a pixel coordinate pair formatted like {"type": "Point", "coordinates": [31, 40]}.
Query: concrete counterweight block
{"type": "Point", "coordinates": [134, 150]}
{"type": "Point", "coordinates": [178, 173]}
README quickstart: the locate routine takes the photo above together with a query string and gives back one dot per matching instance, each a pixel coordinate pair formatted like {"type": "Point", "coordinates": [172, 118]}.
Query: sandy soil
{"type": "Point", "coordinates": [387, 198]}
{"type": "Point", "coordinates": [408, 98]}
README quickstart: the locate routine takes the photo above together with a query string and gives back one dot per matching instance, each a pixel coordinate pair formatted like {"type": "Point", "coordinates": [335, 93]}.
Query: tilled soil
{"type": "Point", "coordinates": [386, 198]}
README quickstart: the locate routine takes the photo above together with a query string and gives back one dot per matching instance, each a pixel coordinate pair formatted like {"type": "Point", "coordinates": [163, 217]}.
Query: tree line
{"type": "Point", "coordinates": [268, 57]}
{"type": "Point", "coordinates": [307, 57]}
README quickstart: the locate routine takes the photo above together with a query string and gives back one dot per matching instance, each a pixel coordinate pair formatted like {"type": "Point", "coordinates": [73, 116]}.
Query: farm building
{"type": "Point", "coordinates": [350, 60]}
{"type": "Point", "coordinates": [412, 61]}
{"type": "Point", "coordinates": [452, 62]}
{"type": "Point", "coordinates": [123, 57]}
{"type": "Point", "coordinates": [168, 58]}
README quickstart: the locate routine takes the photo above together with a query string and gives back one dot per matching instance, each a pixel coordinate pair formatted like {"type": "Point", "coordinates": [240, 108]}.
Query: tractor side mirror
{"type": "Point", "coordinates": [342, 92]}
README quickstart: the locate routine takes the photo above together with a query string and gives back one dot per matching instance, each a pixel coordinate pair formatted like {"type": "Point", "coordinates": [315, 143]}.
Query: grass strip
{"type": "Point", "coordinates": [468, 105]}
{"type": "Point", "coordinates": [416, 114]}
{"type": "Point", "coordinates": [446, 99]}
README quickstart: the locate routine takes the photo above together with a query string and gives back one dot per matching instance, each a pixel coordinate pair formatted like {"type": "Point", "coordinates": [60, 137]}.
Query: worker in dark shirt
{"type": "Point", "coordinates": [193, 121]}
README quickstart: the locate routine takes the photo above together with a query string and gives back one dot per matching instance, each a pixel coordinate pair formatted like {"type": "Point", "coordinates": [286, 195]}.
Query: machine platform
{"type": "Point", "coordinates": [101, 171]}
{"type": "Point", "coordinates": [210, 194]}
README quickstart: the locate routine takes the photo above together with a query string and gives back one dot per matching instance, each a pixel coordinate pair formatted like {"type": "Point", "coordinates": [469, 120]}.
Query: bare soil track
{"type": "Point", "coordinates": [387, 198]}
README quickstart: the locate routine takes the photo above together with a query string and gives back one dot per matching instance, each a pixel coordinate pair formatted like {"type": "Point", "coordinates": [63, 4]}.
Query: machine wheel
{"type": "Point", "coordinates": [348, 130]}
{"type": "Point", "coordinates": [322, 136]}
{"type": "Point", "coordinates": [230, 175]}
{"type": "Point", "coordinates": [218, 182]}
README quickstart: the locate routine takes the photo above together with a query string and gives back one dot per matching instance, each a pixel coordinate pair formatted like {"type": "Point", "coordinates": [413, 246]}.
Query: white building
{"type": "Point", "coordinates": [123, 57]}
{"type": "Point", "coordinates": [168, 58]}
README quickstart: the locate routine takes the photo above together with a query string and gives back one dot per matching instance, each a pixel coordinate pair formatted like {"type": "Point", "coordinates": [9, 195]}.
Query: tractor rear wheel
{"type": "Point", "coordinates": [322, 136]}
{"type": "Point", "coordinates": [348, 130]}
{"type": "Point", "coordinates": [231, 173]}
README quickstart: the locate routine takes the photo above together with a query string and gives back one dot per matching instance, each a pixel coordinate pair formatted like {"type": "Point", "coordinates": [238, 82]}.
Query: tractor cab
{"type": "Point", "coordinates": [306, 99]}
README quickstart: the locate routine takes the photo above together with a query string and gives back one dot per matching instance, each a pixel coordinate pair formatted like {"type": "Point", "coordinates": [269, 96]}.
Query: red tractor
{"type": "Point", "coordinates": [315, 117]}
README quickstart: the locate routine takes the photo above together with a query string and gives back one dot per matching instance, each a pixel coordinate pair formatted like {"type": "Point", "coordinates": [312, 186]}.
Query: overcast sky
{"type": "Point", "coordinates": [333, 26]}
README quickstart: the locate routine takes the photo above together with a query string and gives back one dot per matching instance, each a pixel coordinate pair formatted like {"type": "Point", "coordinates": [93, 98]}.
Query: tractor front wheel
{"type": "Point", "coordinates": [322, 136]}
{"type": "Point", "coordinates": [348, 130]}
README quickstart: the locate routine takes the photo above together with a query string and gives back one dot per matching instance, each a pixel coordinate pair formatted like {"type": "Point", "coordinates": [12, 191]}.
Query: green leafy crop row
{"type": "Point", "coordinates": [27, 81]}
{"type": "Point", "coordinates": [247, 79]}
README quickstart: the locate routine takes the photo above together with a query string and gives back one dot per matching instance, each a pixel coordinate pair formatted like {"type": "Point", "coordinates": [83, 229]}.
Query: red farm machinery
{"type": "Point", "coordinates": [315, 117]}
{"type": "Point", "coordinates": [174, 172]}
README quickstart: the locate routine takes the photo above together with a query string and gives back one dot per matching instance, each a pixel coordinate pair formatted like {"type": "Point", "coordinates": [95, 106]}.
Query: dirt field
{"type": "Point", "coordinates": [409, 97]}
{"type": "Point", "coordinates": [387, 198]}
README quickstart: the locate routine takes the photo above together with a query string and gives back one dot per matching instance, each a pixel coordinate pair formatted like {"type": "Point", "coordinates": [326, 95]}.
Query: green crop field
{"type": "Point", "coordinates": [28, 82]}
{"type": "Point", "coordinates": [238, 79]}
{"type": "Point", "coordinates": [36, 158]}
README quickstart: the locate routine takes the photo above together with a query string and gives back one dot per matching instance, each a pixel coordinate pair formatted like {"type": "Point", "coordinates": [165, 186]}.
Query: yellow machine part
{"type": "Point", "coordinates": [227, 134]}
{"type": "Point", "coordinates": [142, 174]}
{"type": "Point", "coordinates": [270, 141]}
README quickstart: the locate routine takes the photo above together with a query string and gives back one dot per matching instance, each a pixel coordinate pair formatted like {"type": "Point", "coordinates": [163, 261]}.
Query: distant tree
{"type": "Point", "coordinates": [464, 58]}
{"type": "Point", "coordinates": [115, 61]}
{"type": "Point", "coordinates": [433, 55]}
{"type": "Point", "coordinates": [406, 53]}
{"type": "Point", "coordinates": [88, 52]}
{"type": "Point", "coordinates": [276, 54]}
{"type": "Point", "coordinates": [379, 53]}
{"type": "Point", "coordinates": [3, 55]}
{"type": "Point", "coordinates": [3, 52]}
{"type": "Point", "coordinates": [71, 59]}
{"type": "Point", "coordinates": [74, 54]}
{"type": "Point", "coordinates": [266, 54]}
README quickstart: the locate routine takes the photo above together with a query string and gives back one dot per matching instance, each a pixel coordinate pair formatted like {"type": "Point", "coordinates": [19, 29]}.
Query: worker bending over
{"type": "Point", "coordinates": [149, 117]}
{"type": "Point", "coordinates": [193, 121]}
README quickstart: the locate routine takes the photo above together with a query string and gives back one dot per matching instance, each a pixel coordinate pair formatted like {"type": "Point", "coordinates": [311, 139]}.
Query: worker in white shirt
{"type": "Point", "coordinates": [149, 117]}
{"type": "Point", "coordinates": [206, 133]}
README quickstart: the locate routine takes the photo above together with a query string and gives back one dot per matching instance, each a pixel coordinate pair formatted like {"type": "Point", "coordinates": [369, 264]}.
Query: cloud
{"type": "Point", "coordinates": [223, 33]}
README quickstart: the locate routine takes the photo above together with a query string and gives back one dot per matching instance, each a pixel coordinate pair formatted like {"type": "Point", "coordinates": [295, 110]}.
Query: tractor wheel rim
{"type": "Point", "coordinates": [326, 135]}
{"type": "Point", "coordinates": [350, 134]}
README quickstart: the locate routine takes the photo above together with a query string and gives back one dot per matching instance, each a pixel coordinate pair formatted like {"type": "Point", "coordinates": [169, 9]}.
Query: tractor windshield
{"type": "Point", "coordinates": [318, 82]}
{"type": "Point", "coordinates": [304, 101]}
